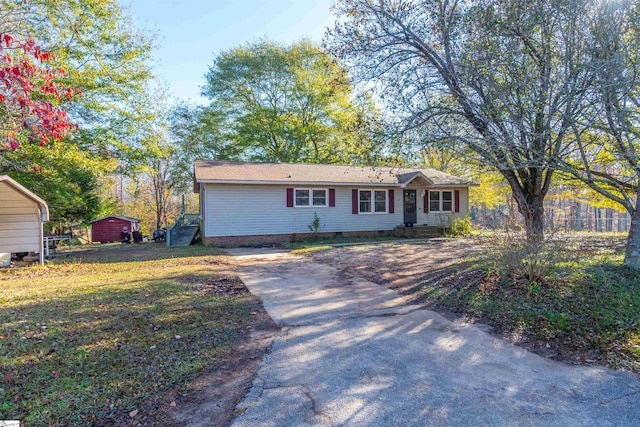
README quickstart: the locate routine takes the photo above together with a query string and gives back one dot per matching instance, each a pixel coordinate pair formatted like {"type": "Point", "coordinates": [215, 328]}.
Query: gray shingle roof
{"type": "Point", "coordinates": [224, 171]}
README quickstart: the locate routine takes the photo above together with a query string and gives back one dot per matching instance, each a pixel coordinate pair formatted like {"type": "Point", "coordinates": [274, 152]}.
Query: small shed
{"type": "Point", "coordinates": [21, 216]}
{"type": "Point", "coordinates": [110, 228]}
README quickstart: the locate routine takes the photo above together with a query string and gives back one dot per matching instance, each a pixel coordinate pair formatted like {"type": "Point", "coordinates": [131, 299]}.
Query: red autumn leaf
{"type": "Point", "coordinates": [29, 89]}
{"type": "Point", "coordinates": [8, 40]}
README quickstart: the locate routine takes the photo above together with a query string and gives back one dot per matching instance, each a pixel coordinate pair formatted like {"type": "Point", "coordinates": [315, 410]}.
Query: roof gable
{"type": "Point", "coordinates": [407, 178]}
{"type": "Point", "coordinates": [44, 208]}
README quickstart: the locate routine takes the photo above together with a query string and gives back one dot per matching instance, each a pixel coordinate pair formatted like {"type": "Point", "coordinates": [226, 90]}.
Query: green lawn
{"type": "Point", "coordinates": [585, 307]}
{"type": "Point", "coordinates": [88, 340]}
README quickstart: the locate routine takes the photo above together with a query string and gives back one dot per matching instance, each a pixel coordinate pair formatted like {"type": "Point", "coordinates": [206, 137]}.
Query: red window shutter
{"type": "Point", "coordinates": [392, 204]}
{"type": "Point", "coordinates": [332, 197]}
{"type": "Point", "coordinates": [426, 202]}
{"type": "Point", "coordinates": [289, 197]}
{"type": "Point", "coordinates": [354, 202]}
{"type": "Point", "coordinates": [456, 201]}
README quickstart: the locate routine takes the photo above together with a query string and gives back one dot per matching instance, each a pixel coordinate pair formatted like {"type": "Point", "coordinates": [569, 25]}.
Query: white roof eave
{"type": "Point", "coordinates": [44, 208]}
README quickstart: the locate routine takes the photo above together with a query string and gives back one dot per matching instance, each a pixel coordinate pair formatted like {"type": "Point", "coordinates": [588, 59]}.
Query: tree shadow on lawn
{"type": "Point", "coordinates": [88, 358]}
{"type": "Point", "coordinates": [116, 253]}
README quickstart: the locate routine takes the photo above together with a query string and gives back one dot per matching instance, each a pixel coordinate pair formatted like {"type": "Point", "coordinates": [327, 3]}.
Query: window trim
{"type": "Point", "coordinates": [373, 201]}
{"type": "Point", "coordinates": [441, 200]}
{"type": "Point", "coordinates": [311, 190]}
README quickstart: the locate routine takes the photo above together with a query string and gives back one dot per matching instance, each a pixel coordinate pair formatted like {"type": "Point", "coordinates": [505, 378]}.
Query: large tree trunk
{"type": "Point", "coordinates": [632, 253]}
{"type": "Point", "coordinates": [532, 209]}
{"type": "Point", "coordinates": [529, 197]}
{"type": "Point", "coordinates": [158, 219]}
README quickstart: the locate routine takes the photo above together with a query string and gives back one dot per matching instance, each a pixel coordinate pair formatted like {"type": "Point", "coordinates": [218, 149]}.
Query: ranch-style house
{"type": "Point", "coordinates": [250, 203]}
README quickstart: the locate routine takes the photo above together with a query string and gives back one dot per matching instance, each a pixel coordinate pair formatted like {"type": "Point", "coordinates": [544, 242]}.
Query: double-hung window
{"type": "Point", "coordinates": [310, 197]}
{"type": "Point", "coordinates": [440, 201]}
{"type": "Point", "coordinates": [372, 201]}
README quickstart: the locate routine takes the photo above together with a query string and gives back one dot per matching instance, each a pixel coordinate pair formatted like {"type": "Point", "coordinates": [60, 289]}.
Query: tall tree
{"type": "Point", "coordinates": [286, 103]}
{"type": "Point", "coordinates": [606, 155]}
{"type": "Point", "coordinates": [198, 133]}
{"type": "Point", "coordinates": [106, 58]}
{"type": "Point", "coordinates": [104, 54]}
{"type": "Point", "coordinates": [157, 173]}
{"type": "Point", "coordinates": [508, 72]}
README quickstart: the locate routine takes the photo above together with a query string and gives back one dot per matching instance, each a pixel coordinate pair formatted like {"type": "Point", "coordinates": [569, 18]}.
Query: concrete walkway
{"type": "Point", "coordinates": [354, 353]}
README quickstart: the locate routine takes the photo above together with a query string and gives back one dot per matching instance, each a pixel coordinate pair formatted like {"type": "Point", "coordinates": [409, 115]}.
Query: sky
{"type": "Point", "coordinates": [192, 32]}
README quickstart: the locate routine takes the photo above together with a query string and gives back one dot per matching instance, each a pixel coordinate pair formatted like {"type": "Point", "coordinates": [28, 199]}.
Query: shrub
{"type": "Point", "coordinates": [460, 227]}
{"type": "Point", "coordinates": [533, 262]}
{"type": "Point", "coordinates": [315, 225]}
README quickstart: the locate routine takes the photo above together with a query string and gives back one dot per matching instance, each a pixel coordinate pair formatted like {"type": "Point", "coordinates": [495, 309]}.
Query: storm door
{"type": "Point", "coordinates": [410, 215]}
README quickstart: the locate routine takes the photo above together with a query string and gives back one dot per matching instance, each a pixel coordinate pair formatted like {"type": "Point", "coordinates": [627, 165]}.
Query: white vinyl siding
{"type": "Point", "coordinates": [20, 228]}
{"type": "Point", "coordinates": [244, 210]}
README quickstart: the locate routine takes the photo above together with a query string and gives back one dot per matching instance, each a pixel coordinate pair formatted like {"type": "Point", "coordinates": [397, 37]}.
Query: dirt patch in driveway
{"type": "Point", "coordinates": [438, 274]}
{"type": "Point", "coordinates": [405, 267]}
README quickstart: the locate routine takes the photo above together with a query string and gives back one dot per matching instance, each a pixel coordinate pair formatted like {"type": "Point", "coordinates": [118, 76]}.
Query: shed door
{"type": "Point", "coordinates": [410, 215]}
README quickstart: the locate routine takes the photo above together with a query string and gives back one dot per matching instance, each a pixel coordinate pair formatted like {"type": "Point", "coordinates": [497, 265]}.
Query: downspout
{"type": "Point", "coordinates": [201, 203]}
{"type": "Point", "coordinates": [40, 220]}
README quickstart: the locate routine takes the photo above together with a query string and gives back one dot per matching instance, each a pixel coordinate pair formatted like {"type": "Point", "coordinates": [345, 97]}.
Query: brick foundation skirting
{"type": "Point", "coordinates": [273, 239]}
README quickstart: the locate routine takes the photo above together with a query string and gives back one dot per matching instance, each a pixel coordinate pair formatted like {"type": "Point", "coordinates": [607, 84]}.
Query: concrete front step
{"type": "Point", "coordinates": [419, 231]}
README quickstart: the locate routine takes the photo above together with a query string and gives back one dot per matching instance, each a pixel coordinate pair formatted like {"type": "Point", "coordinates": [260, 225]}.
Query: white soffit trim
{"type": "Point", "coordinates": [301, 183]}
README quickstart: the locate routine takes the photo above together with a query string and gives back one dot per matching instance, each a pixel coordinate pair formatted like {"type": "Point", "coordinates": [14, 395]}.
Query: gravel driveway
{"type": "Point", "coordinates": [352, 352]}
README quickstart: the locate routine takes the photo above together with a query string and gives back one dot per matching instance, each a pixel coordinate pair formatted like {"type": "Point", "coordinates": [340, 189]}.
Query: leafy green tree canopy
{"type": "Point", "coordinates": [286, 103]}
{"type": "Point", "coordinates": [106, 58]}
